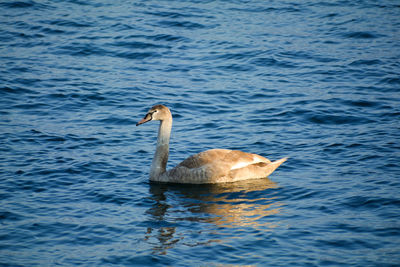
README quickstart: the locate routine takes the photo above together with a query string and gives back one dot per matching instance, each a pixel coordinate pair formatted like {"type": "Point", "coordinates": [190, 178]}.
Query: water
{"type": "Point", "coordinates": [317, 81]}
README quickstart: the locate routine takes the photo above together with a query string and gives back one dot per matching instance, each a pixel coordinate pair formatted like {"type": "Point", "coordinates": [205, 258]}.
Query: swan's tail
{"type": "Point", "coordinates": [279, 161]}
{"type": "Point", "coordinates": [271, 167]}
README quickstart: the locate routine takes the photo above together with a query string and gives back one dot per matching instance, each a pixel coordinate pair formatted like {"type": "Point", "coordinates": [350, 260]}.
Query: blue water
{"type": "Point", "coordinates": [317, 81]}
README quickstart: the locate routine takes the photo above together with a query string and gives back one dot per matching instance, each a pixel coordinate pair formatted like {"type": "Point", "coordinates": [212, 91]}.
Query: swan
{"type": "Point", "coordinates": [207, 167]}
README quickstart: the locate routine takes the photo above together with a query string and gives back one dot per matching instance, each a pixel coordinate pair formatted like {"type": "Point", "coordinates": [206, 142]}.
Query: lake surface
{"type": "Point", "coordinates": [316, 81]}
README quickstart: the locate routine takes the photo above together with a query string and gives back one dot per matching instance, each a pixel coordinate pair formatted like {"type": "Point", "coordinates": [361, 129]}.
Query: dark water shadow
{"type": "Point", "coordinates": [244, 204]}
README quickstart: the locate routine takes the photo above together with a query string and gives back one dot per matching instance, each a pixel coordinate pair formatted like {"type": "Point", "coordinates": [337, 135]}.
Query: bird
{"type": "Point", "coordinates": [207, 167]}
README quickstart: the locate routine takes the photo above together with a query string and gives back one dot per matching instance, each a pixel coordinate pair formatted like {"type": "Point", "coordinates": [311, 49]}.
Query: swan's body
{"type": "Point", "coordinates": [211, 166]}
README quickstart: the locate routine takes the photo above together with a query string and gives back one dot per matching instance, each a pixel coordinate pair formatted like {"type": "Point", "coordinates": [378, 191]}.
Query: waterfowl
{"type": "Point", "coordinates": [208, 167]}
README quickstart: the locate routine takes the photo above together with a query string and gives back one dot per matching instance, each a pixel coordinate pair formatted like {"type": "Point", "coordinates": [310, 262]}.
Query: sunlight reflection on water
{"type": "Point", "coordinates": [244, 204]}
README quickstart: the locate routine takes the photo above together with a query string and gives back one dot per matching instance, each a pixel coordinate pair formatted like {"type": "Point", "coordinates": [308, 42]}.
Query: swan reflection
{"type": "Point", "coordinates": [179, 209]}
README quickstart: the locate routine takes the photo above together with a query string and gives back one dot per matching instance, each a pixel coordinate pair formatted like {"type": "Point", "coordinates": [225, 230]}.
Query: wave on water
{"type": "Point", "coordinates": [314, 81]}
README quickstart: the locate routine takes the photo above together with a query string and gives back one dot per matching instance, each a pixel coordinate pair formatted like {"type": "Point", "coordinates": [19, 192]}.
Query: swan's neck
{"type": "Point", "coordinates": [159, 163]}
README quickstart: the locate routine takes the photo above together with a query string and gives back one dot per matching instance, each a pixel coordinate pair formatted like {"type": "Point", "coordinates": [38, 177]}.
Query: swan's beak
{"type": "Point", "coordinates": [146, 118]}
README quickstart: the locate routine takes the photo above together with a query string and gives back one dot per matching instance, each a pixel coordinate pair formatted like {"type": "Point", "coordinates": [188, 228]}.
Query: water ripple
{"type": "Point", "coordinates": [316, 81]}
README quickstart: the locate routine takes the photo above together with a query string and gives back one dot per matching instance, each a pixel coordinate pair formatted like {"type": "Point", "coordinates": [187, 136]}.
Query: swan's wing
{"type": "Point", "coordinates": [231, 159]}
{"type": "Point", "coordinates": [256, 170]}
{"type": "Point", "coordinates": [214, 165]}
{"type": "Point", "coordinates": [204, 158]}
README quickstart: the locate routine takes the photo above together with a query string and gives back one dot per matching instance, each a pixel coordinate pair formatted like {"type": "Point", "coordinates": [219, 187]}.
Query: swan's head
{"type": "Point", "coordinates": [156, 113]}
